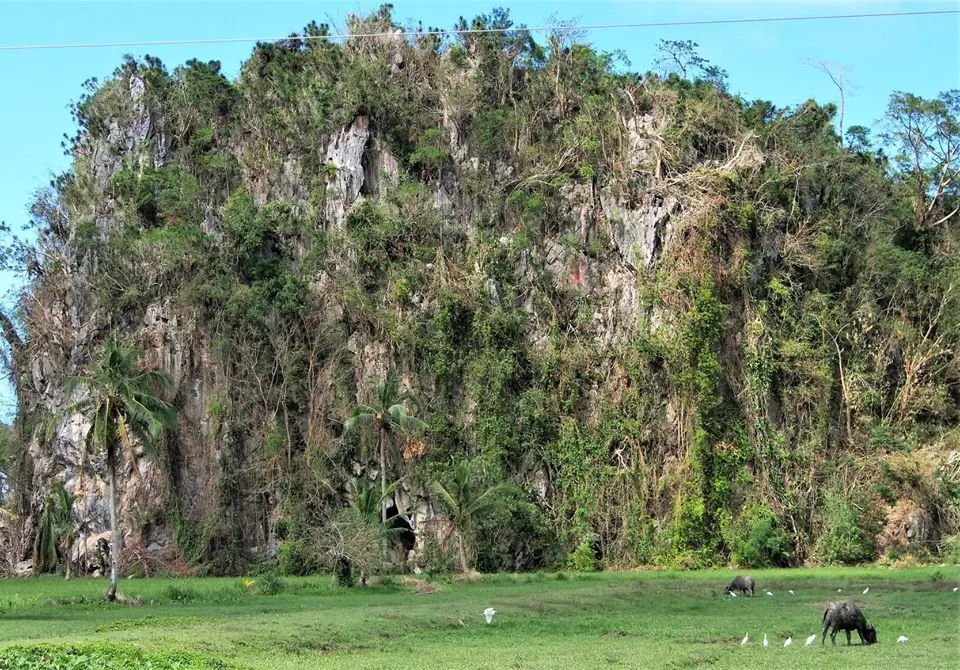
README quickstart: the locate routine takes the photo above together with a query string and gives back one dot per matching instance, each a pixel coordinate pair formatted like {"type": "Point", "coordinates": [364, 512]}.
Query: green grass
{"type": "Point", "coordinates": [655, 619]}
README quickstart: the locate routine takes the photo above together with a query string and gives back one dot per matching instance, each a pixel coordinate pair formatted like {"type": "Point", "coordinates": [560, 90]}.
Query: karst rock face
{"type": "Point", "coordinates": [629, 296]}
{"type": "Point", "coordinates": [636, 228]}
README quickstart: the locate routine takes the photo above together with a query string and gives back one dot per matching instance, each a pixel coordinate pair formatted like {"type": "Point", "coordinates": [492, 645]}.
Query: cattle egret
{"type": "Point", "coordinates": [956, 588]}
{"type": "Point", "coordinates": [791, 592]}
{"type": "Point", "coordinates": [865, 590]}
{"type": "Point", "coordinates": [488, 613]}
{"type": "Point", "coordinates": [746, 638]}
{"type": "Point", "coordinates": [769, 594]}
{"type": "Point", "coordinates": [734, 595]}
{"type": "Point", "coordinates": [811, 640]}
{"type": "Point", "coordinates": [765, 643]}
{"type": "Point", "coordinates": [902, 639]}
{"type": "Point", "coordinates": [788, 642]}
{"type": "Point", "coordinates": [839, 590]}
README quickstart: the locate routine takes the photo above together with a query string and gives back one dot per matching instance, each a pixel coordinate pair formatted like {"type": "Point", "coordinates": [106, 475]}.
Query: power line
{"type": "Point", "coordinates": [424, 33]}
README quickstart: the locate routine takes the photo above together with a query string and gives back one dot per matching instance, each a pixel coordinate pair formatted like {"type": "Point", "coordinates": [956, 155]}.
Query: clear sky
{"type": "Point", "coordinates": [769, 61]}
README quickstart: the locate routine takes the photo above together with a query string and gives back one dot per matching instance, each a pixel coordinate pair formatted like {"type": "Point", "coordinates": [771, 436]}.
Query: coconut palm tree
{"type": "Point", "coordinates": [123, 405]}
{"type": "Point", "coordinates": [388, 418]}
{"type": "Point", "coordinates": [467, 504]}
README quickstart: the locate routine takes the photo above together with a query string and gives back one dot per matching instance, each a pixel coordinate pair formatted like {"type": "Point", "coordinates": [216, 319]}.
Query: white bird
{"type": "Point", "coordinates": [902, 639]}
{"type": "Point", "coordinates": [865, 590]}
{"type": "Point", "coordinates": [488, 613]}
{"type": "Point", "coordinates": [746, 638]}
{"type": "Point", "coordinates": [839, 590]}
{"type": "Point", "coordinates": [769, 594]}
{"type": "Point", "coordinates": [765, 643]}
{"type": "Point", "coordinates": [788, 642]}
{"type": "Point", "coordinates": [733, 595]}
{"type": "Point", "coordinates": [811, 640]}
{"type": "Point", "coordinates": [956, 588]}
{"type": "Point", "coordinates": [791, 592]}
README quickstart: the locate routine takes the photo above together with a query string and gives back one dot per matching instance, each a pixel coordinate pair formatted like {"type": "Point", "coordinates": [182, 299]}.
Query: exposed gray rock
{"type": "Point", "coordinates": [345, 151]}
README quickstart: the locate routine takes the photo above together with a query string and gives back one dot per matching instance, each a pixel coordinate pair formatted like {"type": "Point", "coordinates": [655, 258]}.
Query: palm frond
{"type": "Point", "coordinates": [446, 499]}
{"type": "Point", "coordinates": [128, 446]}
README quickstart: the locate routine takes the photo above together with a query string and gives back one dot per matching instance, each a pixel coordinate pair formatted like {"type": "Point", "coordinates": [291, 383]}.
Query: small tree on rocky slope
{"type": "Point", "coordinates": [123, 405]}
{"type": "Point", "coordinates": [388, 418]}
{"type": "Point", "coordinates": [467, 504]}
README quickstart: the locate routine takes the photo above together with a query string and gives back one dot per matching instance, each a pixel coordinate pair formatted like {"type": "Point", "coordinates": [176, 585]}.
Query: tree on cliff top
{"type": "Point", "coordinates": [122, 405]}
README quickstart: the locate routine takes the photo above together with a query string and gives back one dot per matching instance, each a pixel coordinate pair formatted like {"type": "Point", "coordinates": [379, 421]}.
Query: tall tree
{"type": "Point", "coordinates": [123, 405]}
{"type": "Point", "coordinates": [388, 418]}
{"type": "Point", "coordinates": [927, 135]}
{"type": "Point", "coordinates": [467, 504]}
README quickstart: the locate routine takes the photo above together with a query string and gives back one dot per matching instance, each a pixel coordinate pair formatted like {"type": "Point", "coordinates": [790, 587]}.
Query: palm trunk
{"type": "Point", "coordinates": [114, 526]}
{"type": "Point", "coordinates": [463, 552]}
{"type": "Point", "coordinates": [383, 477]}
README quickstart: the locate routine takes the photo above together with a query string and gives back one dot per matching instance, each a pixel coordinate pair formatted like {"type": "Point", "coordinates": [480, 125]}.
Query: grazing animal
{"type": "Point", "coordinates": [844, 615]}
{"type": "Point", "coordinates": [902, 639]}
{"type": "Point", "coordinates": [742, 583]}
{"type": "Point", "coordinates": [788, 641]}
{"type": "Point", "coordinates": [765, 643]}
{"type": "Point", "coordinates": [811, 640]}
{"type": "Point", "coordinates": [745, 640]}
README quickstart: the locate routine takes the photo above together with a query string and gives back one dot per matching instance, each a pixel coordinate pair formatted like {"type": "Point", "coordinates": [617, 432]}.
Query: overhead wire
{"type": "Point", "coordinates": [476, 31]}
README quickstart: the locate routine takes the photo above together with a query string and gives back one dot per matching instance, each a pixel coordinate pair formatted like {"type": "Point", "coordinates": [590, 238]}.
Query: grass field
{"type": "Point", "coordinates": [650, 620]}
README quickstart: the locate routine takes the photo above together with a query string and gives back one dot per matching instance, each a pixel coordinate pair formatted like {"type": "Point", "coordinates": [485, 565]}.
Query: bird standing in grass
{"type": "Point", "coordinates": [745, 640]}
{"type": "Point", "coordinates": [791, 592]}
{"type": "Point", "coordinates": [902, 639]}
{"type": "Point", "coordinates": [769, 594]}
{"type": "Point", "coordinates": [765, 643]}
{"type": "Point", "coordinates": [788, 641]}
{"type": "Point", "coordinates": [865, 590]}
{"type": "Point", "coordinates": [488, 613]}
{"type": "Point", "coordinates": [811, 640]}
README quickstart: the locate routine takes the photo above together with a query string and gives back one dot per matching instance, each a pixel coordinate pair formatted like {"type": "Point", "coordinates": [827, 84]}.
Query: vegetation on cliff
{"type": "Point", "coordinates": [689, 328]}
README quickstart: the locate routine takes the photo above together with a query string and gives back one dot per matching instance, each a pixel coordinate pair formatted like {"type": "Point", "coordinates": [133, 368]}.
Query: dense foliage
{"type": "Point", "coordinates": [774, 379]}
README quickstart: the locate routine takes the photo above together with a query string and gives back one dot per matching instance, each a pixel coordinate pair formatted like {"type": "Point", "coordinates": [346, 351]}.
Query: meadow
{"type": "Point", "coordinates": [543, 620]}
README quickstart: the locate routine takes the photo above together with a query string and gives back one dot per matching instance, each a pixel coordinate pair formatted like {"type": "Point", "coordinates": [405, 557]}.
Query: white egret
{"type": "Point", "coordinates": [769, 594]}
{"type": "Point", "coordinates": [745, 640]}
{"type": "Point", "coordinates": [488, 613]}
{"type": "Point", "coordinates": [765, 642]}
{"type": "Point", "coordinates": [902, 639]}
{"type": "Point", "coordinates": [791, 592]}
{"type": "Point", "coordinates": [865, 590]}
{"type": "Point", "coordinates": [788, 642]}
{"type": "Point", "coordinates": [811, 640]}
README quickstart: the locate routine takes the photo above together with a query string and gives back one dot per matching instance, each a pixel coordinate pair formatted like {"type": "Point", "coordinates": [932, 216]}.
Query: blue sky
{"type": "Point", "coordinates": [769, 61]}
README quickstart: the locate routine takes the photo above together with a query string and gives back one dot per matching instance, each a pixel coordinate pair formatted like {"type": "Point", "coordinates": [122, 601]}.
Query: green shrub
{"type": "Point", "coordinates": [269, 584]}
{"type": "Point", "coordinates": [950, 550]}
{"type": "Point", "coordinates": [760, 540]}
{"type": "Point", "coordinates": [843, 538]}
{"type": "Point", "coordinates": [437, 560]}
{"type": "Point", "coordinates": [296, 558]}
{"type": "Point", "coordinates": [583, 558]}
